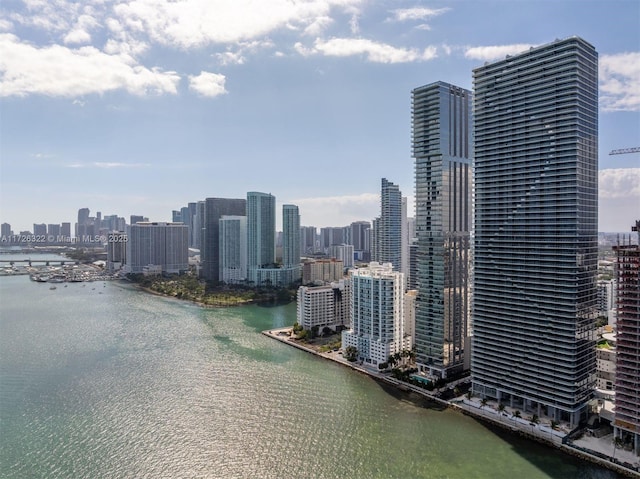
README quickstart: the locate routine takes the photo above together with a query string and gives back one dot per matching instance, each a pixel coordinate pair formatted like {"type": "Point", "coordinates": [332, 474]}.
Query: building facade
{"type": "Point", "coordinates": [388, 227]}
{"type": "Point", "coordinates": [233, 249]}
{"type": "Point", "coordinates": [290, 235]}
{"type": "Point", "coordinates": [442, 149]}
{"type": "Point", "coordinates": [261, 232]}
{"type": "Point", "coordinates": [536, 236]}
{"type": "Point", "coordinates": [323, 306]}
{"type": "Point", "coordinates": [322, 271]}
{"type": "Point", "coordinates": [162, 245]}
{"type": "Point", "coordinates": [376, 296]}
{"type": "Point", "coordinates": [214, 209]}
{"type": "Point", "coordinates": [627, 401]}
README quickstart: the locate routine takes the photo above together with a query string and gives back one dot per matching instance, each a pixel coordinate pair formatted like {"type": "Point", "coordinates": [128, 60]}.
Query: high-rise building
{"type": "Point", "coordinates": [199, 222]}
{"type": "Point", "coordinates": [133, 219]}
{"type": "Point", "coordinates": [214, 209]}
{"type": "Point", "coordinates": [377, 313]}
{"type": "Point", "coordinates": [290, 236]}
{"type": "Point", "coordinates": [161, 245]}
{"type": "Point", "coordinates": [627, 398]}
{"type": "Point", "coordinates": [322, 271]}
{"type": "Point", "coordinates": [359, 237]}
{"type": "Point", "coordinates": [39, 229]}
{"type": "Point", "coordinates": [388, 227]}
{"type": "Point", "coordinates": [536, 229]}
{"type": "Point", "coordinates": [442, 139]}
{"type": "Point", "coordinates": [83, 221]}
{"type": "Point", "coordinates": [308, 239]}
{"type": "Point", "coordinates": [344, 253]}
{"type": "Point", "coordinates": [6, 229]}
{"type": "Point", "coordinates": [331, 235]}
{"type": "Point", "coordinates": [65, 230]}
{"type": "Point", "coordinates": [261, 231]}
{"type": "Point", "coordinates": [233, 249]}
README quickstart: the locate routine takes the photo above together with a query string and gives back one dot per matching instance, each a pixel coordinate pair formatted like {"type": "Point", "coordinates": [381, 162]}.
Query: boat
{"type": "Point", "coordinates": [52, 287]}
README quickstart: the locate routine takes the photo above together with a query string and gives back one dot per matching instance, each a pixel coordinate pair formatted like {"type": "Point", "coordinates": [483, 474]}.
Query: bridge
{"type": "Point", "coordinates": [46, 262]}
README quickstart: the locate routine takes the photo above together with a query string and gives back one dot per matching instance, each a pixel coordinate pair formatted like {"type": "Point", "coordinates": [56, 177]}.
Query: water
{"type": "Point", "coordinates": [98, 380]}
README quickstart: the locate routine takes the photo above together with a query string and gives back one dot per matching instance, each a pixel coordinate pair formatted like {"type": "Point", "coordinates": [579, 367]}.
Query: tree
{"type": "Point", "coordinates": [517, 414]}
{"type": "Point", "coordinates": [500, 407]}
{"type": "Point", "coordinates": [351, 353]}
{"type": "Point", "coordinates": [483, 402]}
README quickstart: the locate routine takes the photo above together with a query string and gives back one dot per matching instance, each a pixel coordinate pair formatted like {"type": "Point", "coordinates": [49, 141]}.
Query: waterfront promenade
{"type": "Point", "coordinates": [597, 450]}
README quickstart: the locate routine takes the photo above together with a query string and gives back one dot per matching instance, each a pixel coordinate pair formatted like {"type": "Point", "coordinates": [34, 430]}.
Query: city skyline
{"type": "Point", "coordinates": [130, 109]}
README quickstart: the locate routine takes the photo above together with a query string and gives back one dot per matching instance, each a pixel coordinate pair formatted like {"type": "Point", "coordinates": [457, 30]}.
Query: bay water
{"type": "Point", "coordinates": [100, 380]}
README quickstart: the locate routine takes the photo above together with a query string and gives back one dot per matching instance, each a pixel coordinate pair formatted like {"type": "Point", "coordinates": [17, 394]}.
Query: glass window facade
{"type": "Point", "coordinates": [442, 148]}
{"type": "Point", "coordinates": [536, 218]}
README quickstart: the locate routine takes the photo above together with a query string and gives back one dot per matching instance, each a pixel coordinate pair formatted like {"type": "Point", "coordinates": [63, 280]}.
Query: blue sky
{"type": "Point", "coordinates": [140, 106]}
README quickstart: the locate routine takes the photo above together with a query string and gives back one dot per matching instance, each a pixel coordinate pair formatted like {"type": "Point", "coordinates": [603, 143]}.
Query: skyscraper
{"type": "Point", "coordinates": [627, 402]}
{"type": "Point", "coordinates": [261, 232]}
{"type": "Point", "coordinates": [290, 236]}
{"type": "Point", "coordinates": [536, 220]}
{"type": "Point", "coordinates": [233, 249]}
{"type": "Point", "coordinates": [388, 227]}
{"type": "Point", "coordinates": [214, 209]}
{"type": "Point", "coordinates": [164, 245]}
{"type": "Point", "coordinates": [442, 139]}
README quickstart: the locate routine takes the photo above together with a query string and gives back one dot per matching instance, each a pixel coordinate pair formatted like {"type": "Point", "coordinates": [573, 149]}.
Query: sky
{"type": "Point", "coordinates": [141, 106]}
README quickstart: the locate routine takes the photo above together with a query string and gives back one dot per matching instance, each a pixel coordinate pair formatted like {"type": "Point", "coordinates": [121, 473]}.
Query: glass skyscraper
{"type": "Point", "coordinates": [261, 232]}
{"type": "Point", "coordinates": [441, 136]}
{"type": "Point", "coordinates": [388, 227]}
{"type": "Point", "coordinates": [536, 220]}
{"type": "Point", "coordinates": [290, 236]}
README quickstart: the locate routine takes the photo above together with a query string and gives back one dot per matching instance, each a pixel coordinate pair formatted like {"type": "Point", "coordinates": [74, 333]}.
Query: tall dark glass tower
{"type": "Point", "coordinates": [443, 174]}
{"type": "Point", "coordinates": [214, 209]}
{"type": "Point", "coordinates": [536, 229]}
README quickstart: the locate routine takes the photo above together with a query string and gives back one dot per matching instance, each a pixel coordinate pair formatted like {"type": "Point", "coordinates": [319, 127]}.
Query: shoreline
{"type": "Point", "coordinates": [519, 426]}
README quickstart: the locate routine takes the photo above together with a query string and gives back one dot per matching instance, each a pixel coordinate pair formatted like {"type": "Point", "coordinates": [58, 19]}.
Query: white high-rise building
{"type": "Point", "coordinates": [376, 296]}
{"type": "Point", "coordinates": [233, 249]}
{"type": "Point", "coordinates": [323, 306]}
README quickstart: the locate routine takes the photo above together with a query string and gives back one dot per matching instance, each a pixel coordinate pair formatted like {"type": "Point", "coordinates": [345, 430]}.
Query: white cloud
{"type": "Point", "coordinates": [5, 25]}
{"type": "Point", "coordinates": [318, 26]}
{"type": "Point", "coordinates": [60, 71]}
{"type": "Point", "coordinates": [191, 23]}
{"type": "Point", "coordinates": [337, 210]}
{"type": "Point", "coordinates": [619, 183]}
{"type": "Point", "coordinates": [373, 51]}
{"type": "Point", "coordinates": [495, 52]}
{"type": "Point", "coordinates": [208, 84]}
{"type": "Point", "coordinates": [80, 32]}
{"type": "Point", "coordinates": [108, 165]}
{"type": "Point", "coordinates": [354, 24]}
{"type": "Point", "coordinates": [620, 82]}
{"type": "Point", "coordinates": [418, 13]}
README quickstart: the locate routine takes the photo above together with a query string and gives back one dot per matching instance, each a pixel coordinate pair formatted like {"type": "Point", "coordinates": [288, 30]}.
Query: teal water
{"type": "Point", "coordinates": [98, 380]}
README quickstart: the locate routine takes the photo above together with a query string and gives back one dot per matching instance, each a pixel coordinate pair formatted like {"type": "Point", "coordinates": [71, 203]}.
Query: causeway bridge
{"type": "Point", "coordinates": [30, 262]}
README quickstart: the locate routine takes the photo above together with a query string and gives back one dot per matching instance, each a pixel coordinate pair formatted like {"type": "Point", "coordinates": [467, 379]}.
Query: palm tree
{"type": "Point", "coordinates": [483, 402]}
{"type": "Point", "coordinates": [617, 443]}
{"type": "Point", "coordinates": [500, 407]}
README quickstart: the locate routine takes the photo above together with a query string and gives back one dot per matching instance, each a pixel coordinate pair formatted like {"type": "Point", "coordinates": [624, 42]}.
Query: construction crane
{"type": "Point", "coordinates": [624, 151]}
